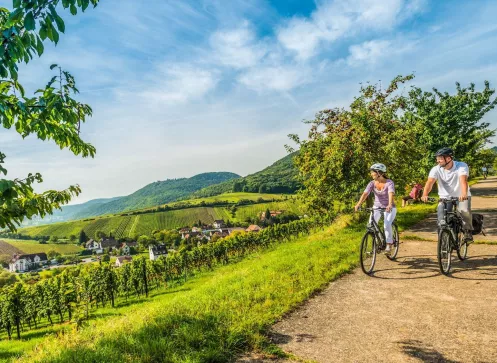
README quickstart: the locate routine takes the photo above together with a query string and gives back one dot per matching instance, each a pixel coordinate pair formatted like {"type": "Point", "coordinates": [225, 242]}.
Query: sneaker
{"type": "Point", "coordinates": [389, 247]}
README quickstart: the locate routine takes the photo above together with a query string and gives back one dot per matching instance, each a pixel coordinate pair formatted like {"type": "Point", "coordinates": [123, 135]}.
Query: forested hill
{"type": "Point", "coordinates": [280, 177]}
{"type": "Point", "coordinates": [157, 193]}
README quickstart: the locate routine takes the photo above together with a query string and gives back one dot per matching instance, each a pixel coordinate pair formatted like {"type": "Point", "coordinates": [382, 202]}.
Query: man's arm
{"type": "Point", "coordinates": [463, 179]}
{"type": "Point", "coordinates": [427, 189]}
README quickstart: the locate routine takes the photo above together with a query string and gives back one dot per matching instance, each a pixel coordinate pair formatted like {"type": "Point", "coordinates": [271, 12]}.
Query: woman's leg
{"type": "Point", "coordinates": [388, 220]}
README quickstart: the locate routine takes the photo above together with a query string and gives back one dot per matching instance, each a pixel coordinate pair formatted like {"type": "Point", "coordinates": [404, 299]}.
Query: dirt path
{"type": "Point", "coordinates": [406, 312]}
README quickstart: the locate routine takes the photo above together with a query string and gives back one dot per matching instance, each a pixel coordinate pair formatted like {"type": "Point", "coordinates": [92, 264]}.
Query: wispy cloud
{"type": "Point", "coordinates": [334, 20]}
{"type": "Point", "coordinates": [178, 84]}
{"type": "Point", "coordinates": [237, 48]}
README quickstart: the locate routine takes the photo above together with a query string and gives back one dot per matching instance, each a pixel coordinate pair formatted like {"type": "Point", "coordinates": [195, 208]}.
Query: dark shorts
{"type": "Point", "coordinates": [406, 198]}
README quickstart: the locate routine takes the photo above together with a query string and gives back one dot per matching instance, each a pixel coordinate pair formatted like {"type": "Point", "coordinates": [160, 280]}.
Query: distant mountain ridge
{"type": "Point", "coordinates": [157, 193]}
{"type": "Point", "coordinates": [280, 177]}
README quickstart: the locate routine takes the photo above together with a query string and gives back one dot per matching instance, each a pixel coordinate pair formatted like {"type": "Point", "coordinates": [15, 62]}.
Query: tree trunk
{"type": "Point", "coordinates": [18, 327]}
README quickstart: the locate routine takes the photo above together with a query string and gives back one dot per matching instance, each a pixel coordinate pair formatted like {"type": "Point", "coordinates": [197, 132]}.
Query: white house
{"type": "Point", "coordinates": [21, 263]}
{"type": "Point", "coordinates": [156, 251]}
{"type": "Point", "coordinates": [127, 247]}
{"type": "Point", "coordinates": [218, 223]}
{"type": "Point", "coordinates": [92, 245]}
{"type": "Point", "coordinates": [121, 260]}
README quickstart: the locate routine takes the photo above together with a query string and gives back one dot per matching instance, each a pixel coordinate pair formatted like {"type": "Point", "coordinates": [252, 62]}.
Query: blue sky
{"type": "Point", "coordinates": [180, 88]}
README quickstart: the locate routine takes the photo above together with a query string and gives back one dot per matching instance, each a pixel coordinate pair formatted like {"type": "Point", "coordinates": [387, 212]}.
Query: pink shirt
{"type": "Point", "coordinates": [381, 196]}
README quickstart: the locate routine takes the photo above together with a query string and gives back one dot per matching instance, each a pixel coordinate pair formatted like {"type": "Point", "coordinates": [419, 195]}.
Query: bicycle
{"type": "Point", "coordinates": [450, 236]}
{"type": "Point", "coordinates": [374, 242]}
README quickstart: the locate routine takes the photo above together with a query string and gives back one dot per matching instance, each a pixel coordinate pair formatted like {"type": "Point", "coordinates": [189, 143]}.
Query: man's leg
{"type": "Point", "coordinates": [467, 220]}
{"type": "Point", "coordinates": [440, 211]}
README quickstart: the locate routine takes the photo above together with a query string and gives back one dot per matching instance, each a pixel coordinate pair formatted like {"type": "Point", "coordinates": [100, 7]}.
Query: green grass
{"type": "Point", "coordinates": [31, 246]}
{"type": "Point", "coordinates": [219, 314]}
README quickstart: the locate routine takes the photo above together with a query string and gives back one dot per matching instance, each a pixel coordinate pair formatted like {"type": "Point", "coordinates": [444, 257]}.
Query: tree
{"type": "Point", "coordinates": [145, 241]}
{"type": "Point", "coordinates": [334, 162]}
{"type": "Point", "coordinates": [51, 114]}
{"type": "Point", "coordinates": [171, 238]}
{"type": "Point", "coordinates": [53, 254]}
{"type": "Point", "coordinates": [72, 238]}
{"type": "Point", "coordinates": [99, 234]}
{"type": "Point", "coordinates": [444, 120]}
{"type": "Point", "coordinates": [54, 239]}
{"type": "Point", "coordinates": [83, 238]}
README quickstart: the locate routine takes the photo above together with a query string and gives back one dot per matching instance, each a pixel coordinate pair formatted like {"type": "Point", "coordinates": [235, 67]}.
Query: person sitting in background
{"type": "Point", "coordinates": [415, 193]}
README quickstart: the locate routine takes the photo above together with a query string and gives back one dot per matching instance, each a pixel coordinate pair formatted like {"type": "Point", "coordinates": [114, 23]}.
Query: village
{"type": "Point", "coordinates": [98, 249]}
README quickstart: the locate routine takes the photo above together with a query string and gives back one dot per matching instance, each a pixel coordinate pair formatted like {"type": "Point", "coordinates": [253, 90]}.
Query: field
{"type": "Point", "coordinates": [230, 198]}
{"type": "Point", "coordinates": [11, 246]}
{"type": "Point", "coordinates": [130, 226]}
{"type": "Point", "coordinates": [217, 315]}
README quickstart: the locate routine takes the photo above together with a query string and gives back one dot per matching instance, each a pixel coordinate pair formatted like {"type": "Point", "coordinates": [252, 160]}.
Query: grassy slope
{"type": "Point", "coordinates": [31, 246]}
{"type": "Point", "coordinates": [219, 314]}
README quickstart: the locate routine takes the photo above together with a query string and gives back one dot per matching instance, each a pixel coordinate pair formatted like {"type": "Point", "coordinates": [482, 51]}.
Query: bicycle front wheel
{"type": "Point", "coordinates": [462, 251]}
{"type": "Point", "coordinates": [396, 242]}
{"type": "Point", "coordinates": [444, 251]}
{"type": "Point", "coordinates": [368, 253]}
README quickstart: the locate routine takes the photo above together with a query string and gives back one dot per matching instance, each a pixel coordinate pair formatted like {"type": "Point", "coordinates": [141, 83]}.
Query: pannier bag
{"type": "Point", "coordinates": [478, 224]}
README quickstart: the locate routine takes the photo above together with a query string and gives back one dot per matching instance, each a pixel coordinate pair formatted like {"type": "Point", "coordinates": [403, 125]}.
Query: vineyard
{"type": "Point", "coordinates": [131, 226]}
{"type": "Point", "coordinates": [11, 246]}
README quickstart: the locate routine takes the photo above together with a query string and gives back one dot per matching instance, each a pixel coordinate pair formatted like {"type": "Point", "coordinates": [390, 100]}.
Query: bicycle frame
{"type": "Point", "coordinates": [373, 226]}
{"type": "Point", "coordinates": [453, 219]}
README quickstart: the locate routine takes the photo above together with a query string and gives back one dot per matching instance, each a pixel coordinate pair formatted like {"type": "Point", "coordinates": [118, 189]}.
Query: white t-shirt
{"type": "Point", "coordinates": [448, 180]}
{"type": "Point", "coordinates": [484, 169]}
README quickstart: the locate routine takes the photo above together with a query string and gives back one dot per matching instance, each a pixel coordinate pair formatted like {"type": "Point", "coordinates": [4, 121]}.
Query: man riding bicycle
{"type": "Point", "coordinates": [452, 177]}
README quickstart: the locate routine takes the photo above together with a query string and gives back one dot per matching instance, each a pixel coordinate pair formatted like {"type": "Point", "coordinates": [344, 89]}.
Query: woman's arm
{"type": "Point", "coordinates": [390, 201]}
{"type": "Point", "coordinates": [361, 200]}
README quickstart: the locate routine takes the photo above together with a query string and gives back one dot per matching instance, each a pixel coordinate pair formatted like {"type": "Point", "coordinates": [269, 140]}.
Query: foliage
{"type": "Point", "coordinates": [94, 285]}
{"type": "Point", "coordinates": [334, 162]}
{"type": "Point", "coordinates": [51, 114]}
{"type": "Point", "coordinates": [442, 120]}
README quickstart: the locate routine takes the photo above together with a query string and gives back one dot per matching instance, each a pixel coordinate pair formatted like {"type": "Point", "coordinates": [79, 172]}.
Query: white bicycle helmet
{"type": "Point", "coordinates": [378, 167]}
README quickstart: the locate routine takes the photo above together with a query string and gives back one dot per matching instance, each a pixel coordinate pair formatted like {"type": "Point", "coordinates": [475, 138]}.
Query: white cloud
{"type": "Point", "coordinates": [333, 20]}
{"type": "Point", "coordinates": [237, 48]}
{"type": "Point", "coordinates": [179, 84]}
{"type": "Point", "coordinates": [368, 52]}
{"type": "Point", "coordinates": [277, 78]}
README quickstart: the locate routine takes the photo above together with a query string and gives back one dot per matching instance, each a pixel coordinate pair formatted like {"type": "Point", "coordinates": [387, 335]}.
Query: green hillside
{"type": "Point", "coordinates": [280, 177]}
{"type": "Point", "coordinates": [156, 193]}
{"type": "Point", "coordinates": [132, 225]}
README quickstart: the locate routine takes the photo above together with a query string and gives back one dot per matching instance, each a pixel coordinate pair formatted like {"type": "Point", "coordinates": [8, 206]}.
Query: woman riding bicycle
{"type": "Point", "coordinates": [384, 190]}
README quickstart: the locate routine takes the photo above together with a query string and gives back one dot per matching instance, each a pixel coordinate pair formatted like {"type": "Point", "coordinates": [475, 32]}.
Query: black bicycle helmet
{"type": "Point", "coordinates": [445, 151]}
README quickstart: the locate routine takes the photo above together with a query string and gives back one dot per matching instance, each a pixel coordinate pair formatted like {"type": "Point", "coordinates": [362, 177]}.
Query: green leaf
{"type": "Point", "coordinates": [73, 9]}
{"type": "Point", "coordinates": [60, 24]}
{"type": "Point", "coordinates": [85, 4]}
{"type": "Point", "coordinates": [55, 35]}
{"type": "Point", "coordinates": [43, 33]}
{"type": "Point", "coordinates": [15, 16]}
{"type": "Point", "coordinates": [16, 3]}
{"type": "Point", "coordinates": [53, 66]}
{"type": "Point", "coordinates": [39, 46]}
{"type": "Point", "coordinates": [29, 21]}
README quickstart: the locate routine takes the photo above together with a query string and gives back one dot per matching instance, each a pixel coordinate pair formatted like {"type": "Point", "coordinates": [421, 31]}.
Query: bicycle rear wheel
{"type": "Point", "coordinates": [368, 253]}
{"type": "Point", "coordinates": [444, 251]}
{"type": "Point", "coordinates": [462, 251]}
{"type": "Point", "coordinates": [396, 242]}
